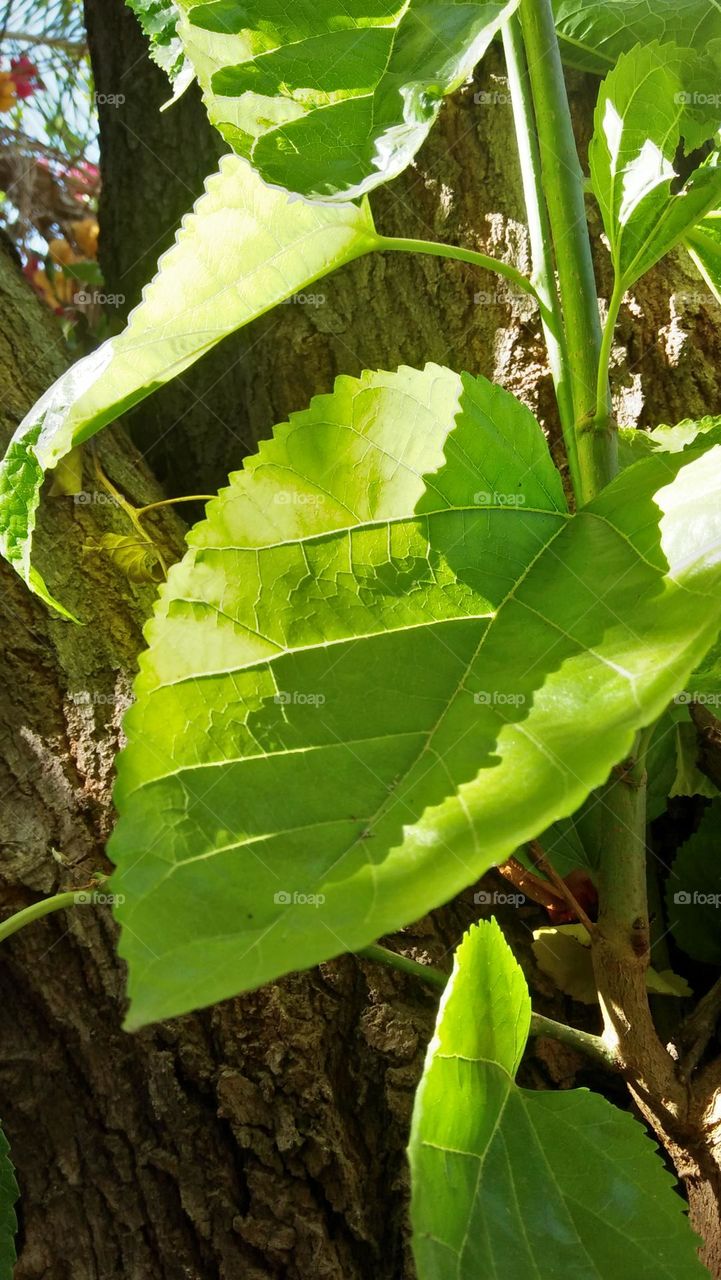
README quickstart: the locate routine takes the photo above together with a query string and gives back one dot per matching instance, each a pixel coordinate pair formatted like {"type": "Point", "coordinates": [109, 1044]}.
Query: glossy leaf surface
{"type": "Point", "coordinates": [330, 99]}
{"type": "Point", "coordinates": [242, 250]}
{"type": "Point", "coordinates": [388, 659]}
{"type": "Point", "coordinates": [510, 1182]}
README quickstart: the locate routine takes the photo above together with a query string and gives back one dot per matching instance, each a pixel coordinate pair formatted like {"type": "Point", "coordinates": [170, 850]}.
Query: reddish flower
{"type": "Point", "coordinates": [24, 75]}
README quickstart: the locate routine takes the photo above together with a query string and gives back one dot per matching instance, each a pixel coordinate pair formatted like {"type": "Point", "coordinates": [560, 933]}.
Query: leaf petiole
{"type": "Point", "coordinates": [45, 907]}
{"type": "Point", "coordinates": [604, 359]}
{"type": "Point", "coordinates": [440, 250]}
{"type": "Point", "coordinates": [382, 955]}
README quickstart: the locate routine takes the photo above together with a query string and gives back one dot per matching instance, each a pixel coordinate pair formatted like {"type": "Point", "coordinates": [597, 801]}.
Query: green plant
{"type": "Point", "coordinates": [407, 652]}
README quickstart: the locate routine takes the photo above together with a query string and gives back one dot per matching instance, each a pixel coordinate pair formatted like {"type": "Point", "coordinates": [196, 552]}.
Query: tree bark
{"type": "Point", "coordinates": [263, 1138]}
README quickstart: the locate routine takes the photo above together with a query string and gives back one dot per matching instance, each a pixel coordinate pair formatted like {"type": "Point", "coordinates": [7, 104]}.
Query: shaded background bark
{"type": "Point", "coordinates": [263, 1138]}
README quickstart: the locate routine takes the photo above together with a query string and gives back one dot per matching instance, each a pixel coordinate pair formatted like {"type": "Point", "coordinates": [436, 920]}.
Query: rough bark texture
{"type": "Point", "coordinates": [264, 1138]}
{"type": "Point", "coordinates": [261, 1139]}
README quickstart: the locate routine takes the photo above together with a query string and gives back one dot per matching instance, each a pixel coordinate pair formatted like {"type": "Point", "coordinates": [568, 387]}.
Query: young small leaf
{"type": "Point", "coordinates": [159, 20]}
{"type": "Point", "coordinates": [331, 100]}
{"type": "Point", "coordinates": [511, 1182]}
{"type": "Point", "coordinates": [389, 658]}
{"type": "Point", "coordinates": [242, 250]}
{"type": "Point", "coordinates": [594, 33]}
{"type": "Point", "coordinates": [8, 1221]}
{"type": "Point", "coordinates": [704, 245]}
{"type": "Point", "coordinates": [564, 954]}
{"type": "Point", "coordinates": [655, 97]}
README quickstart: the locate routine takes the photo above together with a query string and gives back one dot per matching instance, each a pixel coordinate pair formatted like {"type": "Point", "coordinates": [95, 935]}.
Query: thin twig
{"type": "Point", "coordinates": [51, 42]}
{"type": "Point", "coordinates": [696, 1030]}
{"type": "Point", "coordinates": [590, 1045]}
{"type": "Point", "coordinates": [130, 511]}
{"type": "Point", "coordinates": [539, 859]}
{"type": "Point", "coordinates": [393, 960]}
{"type": "Point", "coordinates": [533, 886]}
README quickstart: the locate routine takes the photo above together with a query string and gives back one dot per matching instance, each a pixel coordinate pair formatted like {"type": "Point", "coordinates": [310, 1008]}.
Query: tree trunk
{"type": "Point", "coordinates": [263, 1138]}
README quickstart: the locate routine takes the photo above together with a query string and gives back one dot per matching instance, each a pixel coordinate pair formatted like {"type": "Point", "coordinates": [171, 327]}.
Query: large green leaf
{"type": "Point", "coordinates": [654, 97]}
{"type": "Point", "coordinates": [8, 1221]}
{"type": "Point", "coordinates": [594, 33]}
{"type": "Point", "coordinates": [330, 100]}
{"type": "Point", "coordinates": [511, 1182]}
{"type": "Point", "coordinates": [388, 659]}
{"type": "Point", "coordinates": [242, 250]}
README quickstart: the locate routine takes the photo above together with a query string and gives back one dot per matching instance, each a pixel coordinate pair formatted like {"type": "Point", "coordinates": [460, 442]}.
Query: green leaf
{"type": "Point", "coordinates": [704, 245]}
{"type": "Point", "coordinates": [388, 659]}
{"type": "Point", "coordinates": [242, 250]}
{"type": "Point", "coordinates": [704, 685]}
{"type": "Point", "coordinates": [693, 891]}
{"type": "Point", "coordinates": [662, 762]}
{"type": "Point", "coordinates": [159, 20]}
{"type": "Point", "coordinates": [565, 849]}
{"type": "Point", "coordinates": [697, 432]}
{"type": "Point", "coordinates": [331, 100]}
{"type": "Point", "coordinates": [8, 1221]}
{"type": "Point", "coordinates": [563, 953]}
{"type": "Point", "coordinates": [594, 33]}
{"type": "Point", "coordinates": [655, 96]}
{"type": "Point", "coordinates": [511, 1182]}
{"type": "Point", "coordinates": [688, 780]}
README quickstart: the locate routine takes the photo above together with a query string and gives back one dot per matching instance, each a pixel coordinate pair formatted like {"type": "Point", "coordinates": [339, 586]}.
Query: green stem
{"type": "Point", "coordinates": [544, 276]}
{"type": "Point", "coordinates": [604, 359]}
{"type": "Point", "coordinates": [381, 955]}
{"type": "Point", "coordinates": [170, 502]}
{"type": "Point", "coordinates": [592, 1046]}
{"type": "Point", "coordinates": [563, 187]}
{"type": "Point", "coordinates": [622, 876]}
{"type": "Point", "coordinates": [131, 512]}
{"type": "Point", "coordinates": [621, 943]}
{"type": "Point", "coordinates": [44, 908]}
{"type": "Point", "coordinates": [440, 250]}
{"type": "Point", "coordinates": [583, 1041]}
